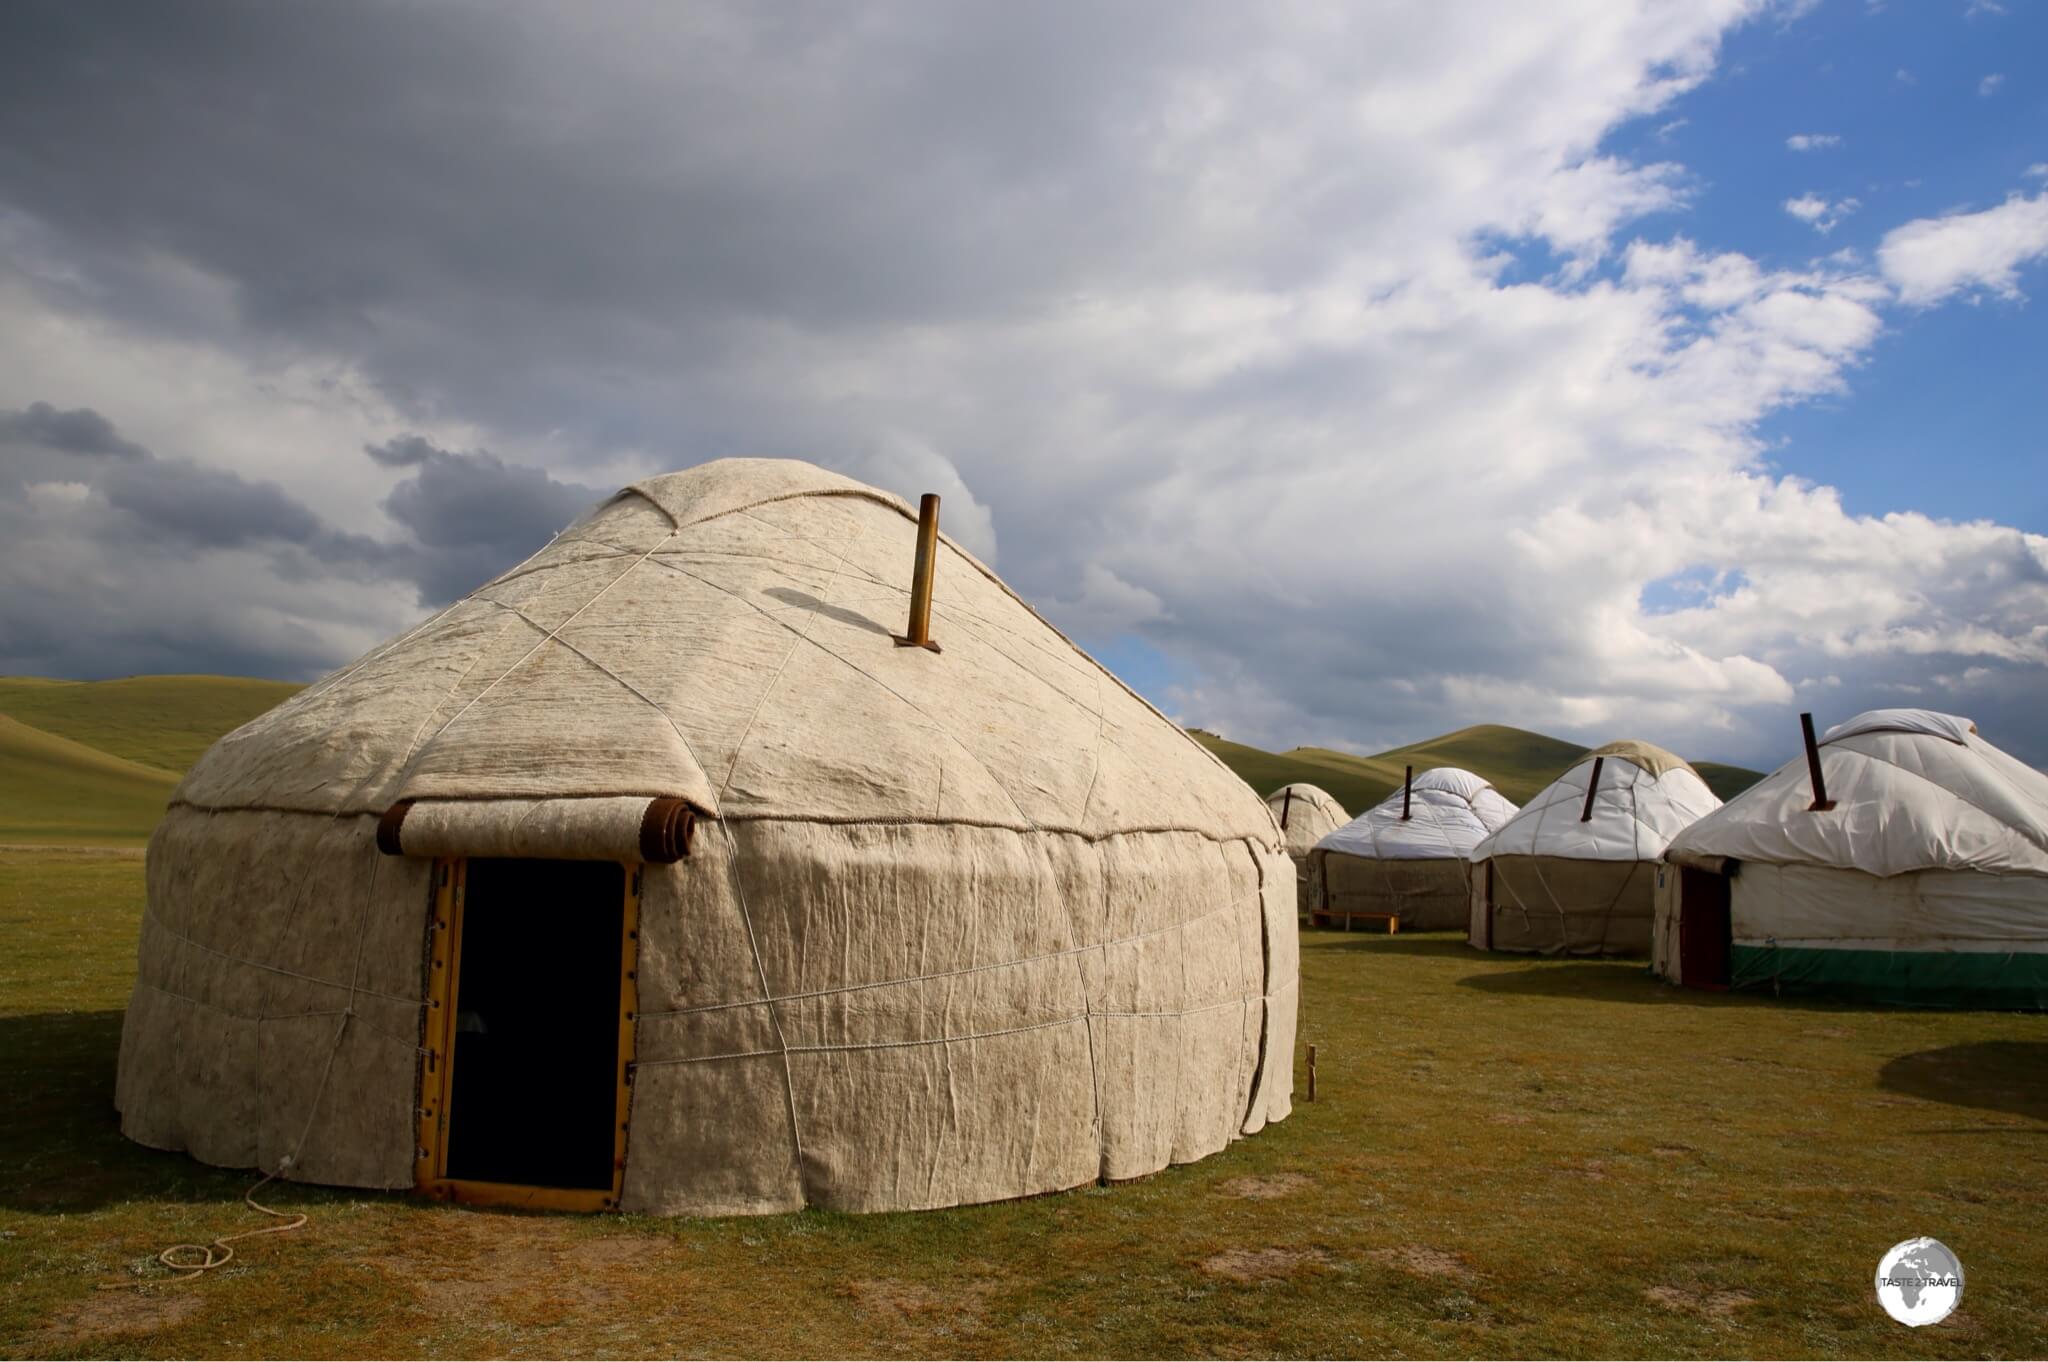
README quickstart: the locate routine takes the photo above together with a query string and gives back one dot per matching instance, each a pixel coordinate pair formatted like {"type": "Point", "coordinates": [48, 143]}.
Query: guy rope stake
{"type": "Point", "coordinates": [919, 634]}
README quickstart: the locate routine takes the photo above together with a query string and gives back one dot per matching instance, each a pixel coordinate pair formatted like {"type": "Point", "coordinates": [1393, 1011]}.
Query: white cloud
{"type": "Point", "coordinates": [1989, 85]}
{"type": "Point", "coordinates": [1210, 316]}
{"type": "Point", "coordinates": [1930, 259]}
{"type": "Point", "coordinates": [1820, 213]}
{"type": "Point", "coordinates": [910, 466]}
{"type": "Point", "coordinates": [1813, 141]}
{"type": "Point", "coordinates": [1108, 606]}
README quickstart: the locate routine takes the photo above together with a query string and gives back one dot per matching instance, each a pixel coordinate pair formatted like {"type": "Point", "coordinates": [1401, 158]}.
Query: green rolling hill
{"type": "Point", "coordinates": [163, 721]}
{"type": "Point", "coordinates": [54, 790]}
{"type": "Point", "coordinates": [1518, 762]}
{"type": "Point", "coordinates": [92, 762]}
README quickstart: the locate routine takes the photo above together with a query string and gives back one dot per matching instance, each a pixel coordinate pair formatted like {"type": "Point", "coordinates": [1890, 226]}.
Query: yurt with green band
{"type": "Point", "coordinates": [1905, 862]}
{"type": "Point", "coordinates": [750, 847]}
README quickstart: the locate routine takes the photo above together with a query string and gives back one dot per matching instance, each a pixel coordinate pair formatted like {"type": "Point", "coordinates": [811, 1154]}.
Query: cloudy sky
{"type": "Point", "coordinates": [1340, 374]}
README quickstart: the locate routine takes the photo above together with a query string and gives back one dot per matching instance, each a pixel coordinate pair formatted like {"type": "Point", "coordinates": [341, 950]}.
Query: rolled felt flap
{"type": "Point", "coordinates": [1693, 860]}
{"type": "Point", "coordinates": [595, 828]}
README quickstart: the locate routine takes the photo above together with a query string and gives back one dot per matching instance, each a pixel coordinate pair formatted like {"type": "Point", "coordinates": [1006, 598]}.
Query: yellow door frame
{"type": "Point", "coordinates": [437, 1066]}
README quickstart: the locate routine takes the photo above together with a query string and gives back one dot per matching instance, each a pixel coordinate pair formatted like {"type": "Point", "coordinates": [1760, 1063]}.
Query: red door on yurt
{"type": "Point", "coordinates": [1704, 930]}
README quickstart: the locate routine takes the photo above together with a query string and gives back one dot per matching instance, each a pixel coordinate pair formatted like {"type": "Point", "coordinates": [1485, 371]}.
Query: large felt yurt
{"type": "Point", "coordinates": [1903, 859]}
{"type": "Point", "coordinates": [1574, 873]}
{"type": "Point", "coordinates": [1304, 812]}
{"type": "Point", "coordinates": [1407, 856]}
{"type": "Point", "coordinates": [658, 874]}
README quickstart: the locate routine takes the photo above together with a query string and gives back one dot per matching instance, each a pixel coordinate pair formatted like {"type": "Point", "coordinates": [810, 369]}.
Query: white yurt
{"type": "Point", "coordinates": [1408, 856]}
{"type": "Point", "coordinates": [1922, 881]}
{"type": "Point", "coordinates": [659, 874]}
{"type": "Point", "coordinates": [1574, 872]}
{"type": "Point", "coordinates": [1304, 812]}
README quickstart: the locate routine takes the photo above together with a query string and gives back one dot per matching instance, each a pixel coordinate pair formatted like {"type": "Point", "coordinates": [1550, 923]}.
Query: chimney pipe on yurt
{"type": "Point", "coordinates": [919, 634]}
{"type": "Point", "coordinates": [1821, 802]}
{"type": "Point", "coordinates": [1592, 788]}
{"type": "Point", "coordinates": [1407, 791]}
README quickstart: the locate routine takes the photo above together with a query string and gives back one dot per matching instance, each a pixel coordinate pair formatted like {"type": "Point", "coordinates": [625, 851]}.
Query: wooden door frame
{"type": "Point", "coordinates": [437, 1062]}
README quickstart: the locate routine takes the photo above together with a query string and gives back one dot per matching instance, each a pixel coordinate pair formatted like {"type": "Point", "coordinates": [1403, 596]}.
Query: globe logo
{"type": "Point", "coordinates": [1919, 1282]}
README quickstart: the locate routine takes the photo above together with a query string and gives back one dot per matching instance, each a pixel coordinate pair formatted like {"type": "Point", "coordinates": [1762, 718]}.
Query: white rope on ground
{"type": "Point", "coordinates": [208, 1259]}
{"type": "Point", "coordinates": [216, 1253]}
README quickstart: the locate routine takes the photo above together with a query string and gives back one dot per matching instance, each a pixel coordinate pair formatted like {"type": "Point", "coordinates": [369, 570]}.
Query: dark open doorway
{"type": "Point", "coordinates": [1704, 929]}
{"type": "Point", "coordinates": [538, 965]}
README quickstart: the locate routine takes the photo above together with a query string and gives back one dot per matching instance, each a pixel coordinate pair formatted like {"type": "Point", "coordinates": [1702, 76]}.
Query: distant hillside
{"type": "Point", "coordinates": [1727, 781]}
{"type": "Point", "coordinates": [162, 721]}
{"type": "Point", "coordinates": [94, 761]}
{"type": "Point", "coordinates": [1519, 763]}
{"type": "Point", "coordinates": [62, 792]}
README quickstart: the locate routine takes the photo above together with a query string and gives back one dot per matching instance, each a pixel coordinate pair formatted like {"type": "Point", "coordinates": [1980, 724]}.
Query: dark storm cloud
{"type": "Point", "coordinates": [121, 562]}
{"type": "Point", "coordinates": [166, 500]}
{"type": "Point", "coordinates": [472, 514]}
{"type": "Point", "coordinates": [83, 431]}
{"type": "Point", "coordinates": [338, 164]}
{"type": "Point", "coordinates": [403, 451]}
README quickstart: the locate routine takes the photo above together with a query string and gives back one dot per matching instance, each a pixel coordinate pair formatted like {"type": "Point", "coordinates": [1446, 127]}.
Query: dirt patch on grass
{"type": "Point", "coordinates": [963, 1306]}
{"type": "Point", "coordinates": [1265, 1188]}
{"type": "Point", "coordinates": [1510, 1118]}
{"type": "Point", "coordinates": [526, 1270]}
{"type": "Point", "coordinates": [1671, 1151]}
{"type": "Point", "coordinates": [1700, 1301]}
{"type": "Point", "coordinates": [1423, 1261]}
{"type": "Point", "coordinates": [1262, 1265]}
{"type": "Point", "coordinates": [106, 1315]}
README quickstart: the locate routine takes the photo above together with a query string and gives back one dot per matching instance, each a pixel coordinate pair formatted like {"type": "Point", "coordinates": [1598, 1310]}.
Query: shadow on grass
{"type": "Point", "coordinates": [61, 1147]}
{"type": "Point", "coordinates": [1439, 945]}
{"type": "Point", "coordinates": [1621, 981]}
{"type": "Point", "coordinates": [1990, 1075]}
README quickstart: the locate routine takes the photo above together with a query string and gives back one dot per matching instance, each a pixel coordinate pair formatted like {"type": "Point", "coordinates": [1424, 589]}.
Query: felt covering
{"type": "Point", "coordinates": [954, 927]}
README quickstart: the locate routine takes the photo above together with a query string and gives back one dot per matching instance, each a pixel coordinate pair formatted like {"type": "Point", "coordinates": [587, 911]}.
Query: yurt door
{"type": "Point", "coordinates": [1703, 929]}
{"type": "Point", "coordinates": [523, 1092]}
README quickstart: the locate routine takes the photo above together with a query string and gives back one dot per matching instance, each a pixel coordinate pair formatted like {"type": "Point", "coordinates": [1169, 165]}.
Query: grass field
{"type": "Point", "coordinates": [1508, 1157]}
{"type": "Point", "coordinates": [92, 762]}
{"type": "Point", "coordinates": [1518, 762]}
